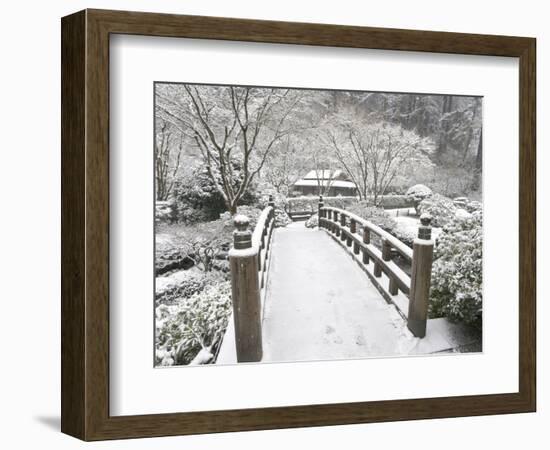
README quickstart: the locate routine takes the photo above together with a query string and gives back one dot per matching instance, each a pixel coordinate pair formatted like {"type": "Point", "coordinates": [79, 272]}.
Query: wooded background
{"type": "Point", "coordinates": [384, 142]}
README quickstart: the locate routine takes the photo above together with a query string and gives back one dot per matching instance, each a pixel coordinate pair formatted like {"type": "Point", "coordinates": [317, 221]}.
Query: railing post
{"type": "Point", "coordinates": [245, 293]}
{"type": "Point", "coordinates": [393, 288]}
{"type": "Point", "coordinates": [319, 210]}
{"type": "Point", "coordinates": [366, 241]}
{"type": "Point", "coordinates": [351, 230]}
{"type": "Point", "coordinates": [261, 249]}
{"type": "Point", "coordinates": [386, 250]}
{"type": "Point", "coordinates": [377, 269]}
{"type": "Point", "coordinates": [271, 203]}
{"type": "Point", "coordinates": [386, 256]}
{"type": "Point", "coordinates": [336, 227]}
{"type": "Point", "coordinates": [421, 275]}
{"type": "Point", "coordinates": [343, 224]}
{"type": "Point", "coordinates": [355, 243]}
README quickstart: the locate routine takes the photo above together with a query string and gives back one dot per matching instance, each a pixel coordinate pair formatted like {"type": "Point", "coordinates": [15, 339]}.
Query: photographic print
{"type": "Point", "coordinates": [298, 224]}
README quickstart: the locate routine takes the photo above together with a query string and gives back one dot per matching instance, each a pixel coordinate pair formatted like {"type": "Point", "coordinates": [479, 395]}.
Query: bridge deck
{"type": "Point", "coordinates": [320, 305]}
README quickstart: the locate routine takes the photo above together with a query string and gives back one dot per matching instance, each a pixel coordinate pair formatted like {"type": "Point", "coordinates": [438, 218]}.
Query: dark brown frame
{"type": "Point", "coordinates": [85, 224]}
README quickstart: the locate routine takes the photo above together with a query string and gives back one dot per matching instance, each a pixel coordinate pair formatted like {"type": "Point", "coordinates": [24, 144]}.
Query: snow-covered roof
{"type": "Point", "coordinates": [322, 174]}
{"type": "Point", "coordinates": [331, 183]}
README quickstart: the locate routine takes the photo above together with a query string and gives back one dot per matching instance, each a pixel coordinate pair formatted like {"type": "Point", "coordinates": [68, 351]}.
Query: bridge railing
{"type": "Point", "coordinates": [355, 234]}
{"type": "Point", "coordinates": [261, 239]}
{"type": "Point", "coordinates": [248, 260]}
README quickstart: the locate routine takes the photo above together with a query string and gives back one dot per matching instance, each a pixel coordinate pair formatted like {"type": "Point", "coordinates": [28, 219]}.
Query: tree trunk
{"type": "Point", "coordinates": [476, 183]}
{"type": "Point", "coordinates": [447, 107]}
{"type": "Point", "coordinates": [479, 156]}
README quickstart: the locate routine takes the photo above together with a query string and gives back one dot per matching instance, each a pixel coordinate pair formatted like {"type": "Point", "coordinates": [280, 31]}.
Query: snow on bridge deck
{"type": "Point", "coordinates": [320, 305]}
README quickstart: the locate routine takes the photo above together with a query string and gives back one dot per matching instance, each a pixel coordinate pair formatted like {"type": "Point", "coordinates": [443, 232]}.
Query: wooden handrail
{"type": "Point", "coordinates": [403, 249]}
{"type": "Point", "coordinates": [262, 223]}
{"type": "Point", "coordinates": [342, 225]}
{"type": "Point", "coordinates": [261, 239]}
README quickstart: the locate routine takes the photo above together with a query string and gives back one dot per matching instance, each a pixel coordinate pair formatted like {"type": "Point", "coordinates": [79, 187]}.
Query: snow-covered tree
{"type": "Point", "coordinates": [373, 154]}
{"type": "Point", "coordinates": [417, 193]}
{"type": "Point", "coordinates": [285, 165]}
{"type": "Point", "coordinates": [229, 125]}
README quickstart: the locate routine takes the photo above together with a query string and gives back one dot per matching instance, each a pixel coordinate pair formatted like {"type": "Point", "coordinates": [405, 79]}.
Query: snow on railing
{"type": "Point", "coordinates": [261, 239]}
{"type": "Point", "coordinates": [344, 228]}
{"type": "Point", "coordinates": [248, 260]}
{"type": "Point", "coordinates": [402, 248]}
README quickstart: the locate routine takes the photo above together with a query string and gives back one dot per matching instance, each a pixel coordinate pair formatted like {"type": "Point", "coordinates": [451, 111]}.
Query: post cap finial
{"type": "Point", "coordinates": [426, 219]}
{"type": "Point", "coordinates": [241, 222]}
{"type": "Point", "coordinates": [242, 236]}
{"type": "Point", "coordinates": [425, 229]}
{"type": "Point", "coordinates": [320, 198]}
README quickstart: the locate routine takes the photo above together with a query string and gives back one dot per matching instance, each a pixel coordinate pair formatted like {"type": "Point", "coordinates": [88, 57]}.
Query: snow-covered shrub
{"type": "Point", "coordinates": [394, 201]}
{"type": "Point", "coordinates": [281, 218]}
{"type": "Point", "coordinates": [191, 325]}
{"type": "Point", "coordinates": [417, 193]}
{"type": "Point", "coordinates": [313, 221]}
{"type": "Point", "coordinates": [405, 234]}
{"type": "Point", "coordinates": [373, 214]}
{"type": "Point", "coordinates": [190, 215]}
{"type": "Point", "coordinates": [281, 205]}
{"type": "Point", "coordinates": [442, 209]}
{"type": "Point", "coordinates": [198, 200]}
{"type": "Point", "coordinates": [342, 202]}
{"type": "Point", "coordinates": [456, 289]}
{"type": "Point", "coordinates": [303, 204]}
{"type": "Point", "coordinates": [184, 283]}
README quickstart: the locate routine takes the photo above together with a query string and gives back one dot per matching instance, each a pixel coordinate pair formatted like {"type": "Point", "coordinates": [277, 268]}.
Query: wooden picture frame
{"type": "Point", "coordinates": [85, 224]}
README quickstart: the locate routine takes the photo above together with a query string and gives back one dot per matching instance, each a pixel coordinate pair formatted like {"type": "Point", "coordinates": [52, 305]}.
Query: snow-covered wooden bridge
{"type": "Point", "coordinates": [332, 292]}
